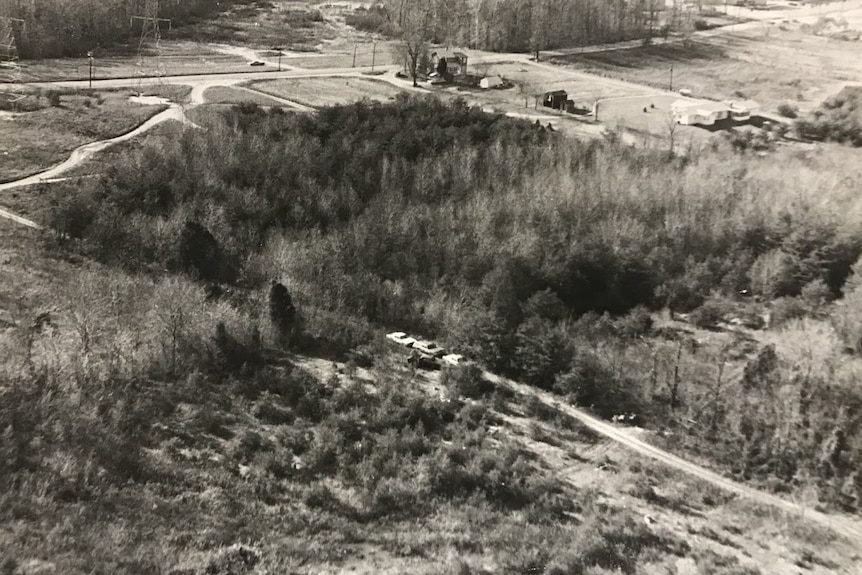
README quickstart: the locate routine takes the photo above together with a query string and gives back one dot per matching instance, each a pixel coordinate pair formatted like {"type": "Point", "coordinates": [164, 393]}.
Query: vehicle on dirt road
{"type": "Point", "coordinates": [430, 348]}
{"type": "Point", "coordinates": [401, 338]}
{"type": "Point", "coordinates": [257, 63]}
{"type": "Point", "coordinates": [423, 361]}
{"type": "Point", "coordinates": [453, 359]}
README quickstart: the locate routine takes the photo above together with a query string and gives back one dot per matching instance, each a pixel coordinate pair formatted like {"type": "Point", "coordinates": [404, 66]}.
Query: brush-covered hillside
{"type": "Point", "coordinates": [195, 380]}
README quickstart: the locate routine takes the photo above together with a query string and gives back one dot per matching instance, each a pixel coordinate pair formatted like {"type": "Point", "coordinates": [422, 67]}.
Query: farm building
{"type": "Point", "coordinates": [556, 99]}
{"type": "Point", "coordinates": [490, 82]}
{"type": "Point", "coordinates": [450, 64]}
{"type": "Point", "coordinates": [702, 113]}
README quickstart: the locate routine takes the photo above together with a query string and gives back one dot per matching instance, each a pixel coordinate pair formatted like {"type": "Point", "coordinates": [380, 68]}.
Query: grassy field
{"type": "Point", "coordinates": [709, 71]}
{"type": "Point", "coordinates": [174, 57]}
{"type": "Point", "coordinates": [652, 115]}
{"type": "Point", "coordinates": [228, 95]}
{"type": "Point", "coordinates": [319, 92]}
{"type": "Point", "coordinates": [31, 141]}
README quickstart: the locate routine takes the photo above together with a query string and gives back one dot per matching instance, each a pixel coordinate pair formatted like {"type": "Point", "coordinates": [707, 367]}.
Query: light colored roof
{"type": "Point", "coordinates": [713, 107]}
{"type": "Point", "coordinates": [701, 108]}
{"type": "Point", "coordinates": [744, 105]}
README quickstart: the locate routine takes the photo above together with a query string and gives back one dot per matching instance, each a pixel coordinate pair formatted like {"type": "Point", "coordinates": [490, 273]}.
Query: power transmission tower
{"type": "Point", "coordinates": [10, 69]}
{"type": "Point", "coordinates": [151, 37]}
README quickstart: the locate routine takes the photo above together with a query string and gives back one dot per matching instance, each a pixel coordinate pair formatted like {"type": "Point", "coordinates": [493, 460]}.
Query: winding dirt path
{"type": "Point", "coordinates": [80, 155]}
{"type": "Point", "coordinates": [842, 524]}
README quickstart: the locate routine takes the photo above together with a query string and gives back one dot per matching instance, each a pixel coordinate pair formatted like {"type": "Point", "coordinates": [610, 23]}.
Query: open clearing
{"type": "Point", "coordinates": [31, 141]}
{"type": "Point", "coordinates": [229, 95]}
{"type": "Point", "coordinates": [538, 79]}
{"type": "Point", "coordinates": [771, 63]}
{"type": "Point", "coordinates": [318, 92]}
{"type": "Point", "coordinates": [173, 58]}
{"type": "Point", "coordinates": [652, 115]}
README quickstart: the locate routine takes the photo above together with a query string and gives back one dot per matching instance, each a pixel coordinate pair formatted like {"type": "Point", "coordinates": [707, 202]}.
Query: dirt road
{"type": "Point", "coordinates": [841, 524]}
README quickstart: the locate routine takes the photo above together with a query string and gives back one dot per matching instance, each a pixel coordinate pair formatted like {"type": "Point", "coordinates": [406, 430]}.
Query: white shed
{"type": "Point", "coordinates": [490, 82]}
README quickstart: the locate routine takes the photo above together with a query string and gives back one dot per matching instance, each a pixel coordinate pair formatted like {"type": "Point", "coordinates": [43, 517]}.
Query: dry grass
{"type": "Point", "coordinates": [318, 92]}
{"type": "Point", "coordinates": [228, 95]}
{"type": "Point", "coordinates": [581, 88]}
{"type": "Point", "coordinates": [36, 140]}
{"type": "Point", "coordinates": [770, 65]}
{"type": "Point", "coordinates": [174, 58]}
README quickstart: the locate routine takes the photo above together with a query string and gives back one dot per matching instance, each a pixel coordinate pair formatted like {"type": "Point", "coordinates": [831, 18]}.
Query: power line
{"type": "Point", "coordinates": [10, 68]}
{"type": "Point", "coordinates": [151, 33]}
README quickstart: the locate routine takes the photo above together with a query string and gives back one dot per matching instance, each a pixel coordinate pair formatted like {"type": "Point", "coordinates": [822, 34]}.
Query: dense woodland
{"type": "Point", "coordinates": [545, 258]}
{"type": "Point", "coordinates": [518, 25]}
{"type": "Point", "coordinates": [73, 27]}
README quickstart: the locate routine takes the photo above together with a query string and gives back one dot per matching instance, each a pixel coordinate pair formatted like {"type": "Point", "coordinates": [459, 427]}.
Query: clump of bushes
{"type": "Point", "coordinates": [788, 110]}
{"type": "Point", "coordinates": [839, 119]}
{"type": "Point", "coordinates": [373, 19]}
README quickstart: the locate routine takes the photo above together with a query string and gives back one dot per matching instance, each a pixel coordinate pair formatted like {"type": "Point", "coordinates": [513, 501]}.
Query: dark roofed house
{"type": "Point", "coordinates": [556, 99]}
{"type": "Point", "coordinates": [450, 63]}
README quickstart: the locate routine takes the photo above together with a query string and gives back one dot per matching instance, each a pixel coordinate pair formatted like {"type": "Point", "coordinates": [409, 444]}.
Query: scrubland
{"type": "Point", "coordinates": [160, 393]}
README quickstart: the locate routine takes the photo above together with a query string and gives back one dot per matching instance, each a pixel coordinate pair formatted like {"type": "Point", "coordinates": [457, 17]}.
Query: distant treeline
{"type": "Point", "coordinates": [527, 25]}
{"type": "Point", "coordinates": [72, 27]}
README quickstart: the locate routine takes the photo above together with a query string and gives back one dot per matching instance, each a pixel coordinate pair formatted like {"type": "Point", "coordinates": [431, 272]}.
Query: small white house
{"type": "Point", "coordinates": [490, 82]}
{"type": "Point", "coordinates": [701, 113]}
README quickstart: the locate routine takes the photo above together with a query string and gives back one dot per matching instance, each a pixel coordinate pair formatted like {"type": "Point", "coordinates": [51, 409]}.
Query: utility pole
{"type": "Point", "coordinates": [671, 78]}
{"type": "Point", "coordinates": [354, 57]}
{"type": "Point", "coordinates": [90, 58]}
{"type": "Point", "coordinates": [373, 54]}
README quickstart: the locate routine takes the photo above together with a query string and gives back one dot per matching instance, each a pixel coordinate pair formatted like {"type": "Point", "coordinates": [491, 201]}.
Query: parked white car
{"type": "Point", "coordinates": [401, 338]}
{"type": "Point", "coordinates": [430, 348]}
{"type": "Point", "coordinates": [453, 359]}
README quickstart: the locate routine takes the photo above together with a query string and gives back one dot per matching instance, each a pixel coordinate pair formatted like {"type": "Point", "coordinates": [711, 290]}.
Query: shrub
{"type": "Point", "coordinates": [267, 410]}
{"type": "Point", "coordinates": [282, 312]}
{"type": "Point", "coordinates": [637, 323]}
{"type": "Point", "coordinates": [466, 380]}
{"type": "Point", "coordinates": [234, 560]}
{"type": "Point", "coordinates": [541, 352]}
{"type": "Point", "coordinates": [711, 313]}
{"type": "Point", "coordinates": [788, 110]}
{"type": "Point", "coordinates": [199, 253]}
{"type": "Point", "coordinates": [373, 19]}
{"type": "Point", "coordinates": [54, 98]}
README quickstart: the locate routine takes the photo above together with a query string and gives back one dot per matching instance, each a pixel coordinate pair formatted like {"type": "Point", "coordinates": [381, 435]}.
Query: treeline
{"type": "Point", "coordinates": [541, 256]}
{"type": "Point", "coordinates": [513, 25]}
{"type": "Point", "coordinates": [72, 27]}
{"type": "Point", "coordinates": [838, 119]}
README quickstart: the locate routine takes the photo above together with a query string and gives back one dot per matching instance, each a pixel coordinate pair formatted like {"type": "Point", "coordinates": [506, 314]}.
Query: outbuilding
{"type": "Point", "coordinates": [490, 82]}
{"type": "Point", "coordinates": [556, 99]}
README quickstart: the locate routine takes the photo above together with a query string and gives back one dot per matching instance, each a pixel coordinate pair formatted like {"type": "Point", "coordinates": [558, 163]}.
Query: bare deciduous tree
{"type": "Point", "coordinates": [413, 45]}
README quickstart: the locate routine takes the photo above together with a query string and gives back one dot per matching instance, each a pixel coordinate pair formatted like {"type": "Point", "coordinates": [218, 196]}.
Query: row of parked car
{"type": "Point", "coordinates": [426, 354]}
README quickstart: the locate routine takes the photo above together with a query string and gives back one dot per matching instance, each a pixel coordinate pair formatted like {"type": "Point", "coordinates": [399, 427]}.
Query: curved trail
{"type": "Point", "coordinates": [81, 153]}
{"type": "Point", "coordinates": [841, 524]}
